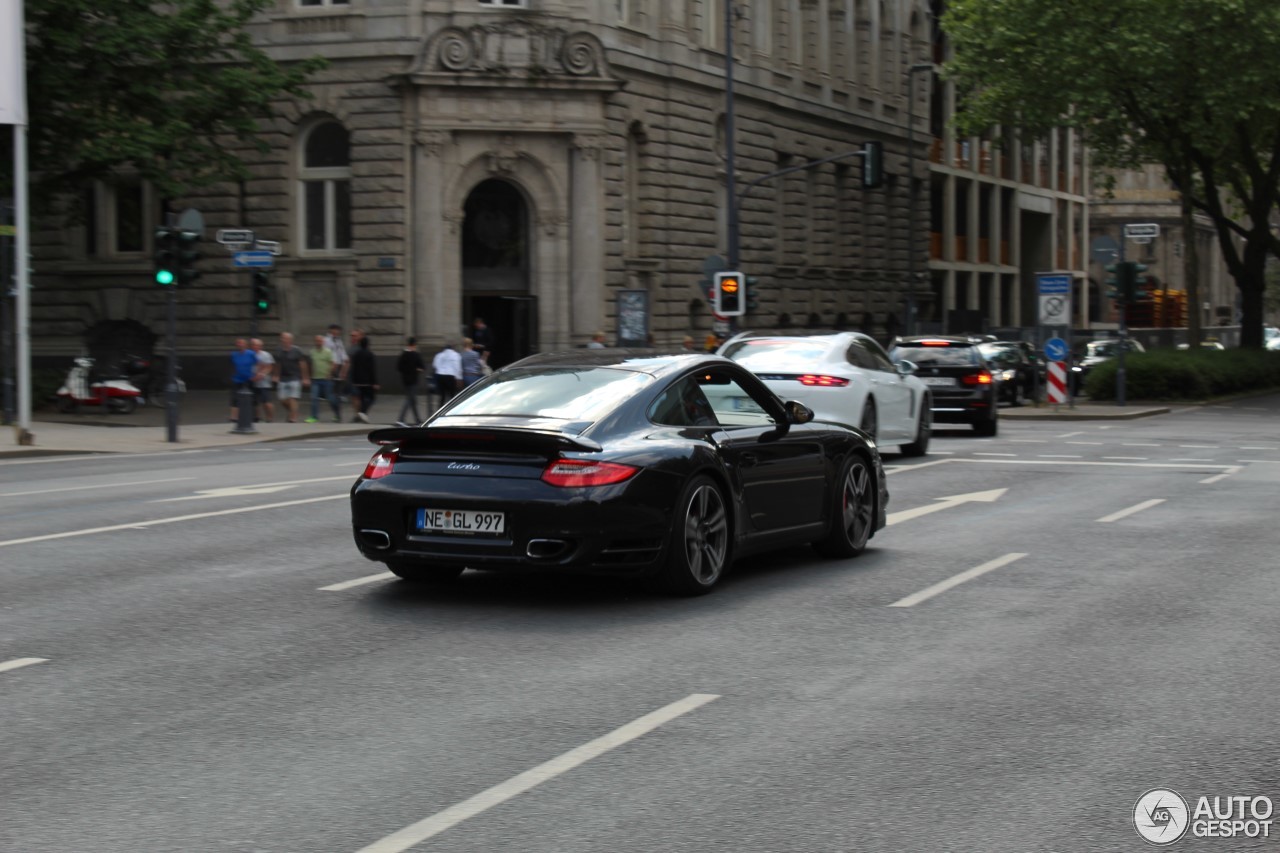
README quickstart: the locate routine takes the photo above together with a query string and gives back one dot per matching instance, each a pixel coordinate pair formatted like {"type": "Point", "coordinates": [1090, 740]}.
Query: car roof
{"type": "Point", "coordinates": [653, 362]}
{"type": "Point", "coordinates": [797, 334]}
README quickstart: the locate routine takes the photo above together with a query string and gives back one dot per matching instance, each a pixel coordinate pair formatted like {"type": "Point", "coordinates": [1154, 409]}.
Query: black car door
{"type": "Point", "coordinates": [780, 471]}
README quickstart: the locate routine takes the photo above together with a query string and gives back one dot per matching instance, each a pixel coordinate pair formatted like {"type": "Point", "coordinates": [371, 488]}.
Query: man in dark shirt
{"type": "Point", "coordinates": [364, 378]}
{"type": "Point", "coordinates": [410, 366]}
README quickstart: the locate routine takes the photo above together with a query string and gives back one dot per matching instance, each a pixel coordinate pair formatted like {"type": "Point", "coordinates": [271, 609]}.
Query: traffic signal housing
{"type": "Point", "coordinates": [187, 257]}
{"type": "Point", "coordinates": [263, 293]}
{"type": "Point", "coordinates": [753, 293]}
{"type": "Point", "coordinates": [872, 165]}
{"type": "Point", "coordinates": [166, 258]}
{"type": "Point", "coordinates": [730, 294]}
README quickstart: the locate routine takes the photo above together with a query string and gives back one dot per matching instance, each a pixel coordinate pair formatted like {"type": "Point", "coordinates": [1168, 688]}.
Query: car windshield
{"type": "Point", "coordinates": [938, 355]}
{"type": "Point", "coordinates": [999, 354]}
{"type": "Point", "coordinates": [757, 353]}
{"type": "Point", "coordinates": [567, 393]}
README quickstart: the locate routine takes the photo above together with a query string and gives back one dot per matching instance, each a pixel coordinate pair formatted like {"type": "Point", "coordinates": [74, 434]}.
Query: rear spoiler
{"type": "Point", "coordinates": [539, 439]}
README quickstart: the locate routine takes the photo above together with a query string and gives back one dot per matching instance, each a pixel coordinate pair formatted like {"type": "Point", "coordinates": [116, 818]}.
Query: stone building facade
{"type": "Point", "coordinates": [532, 162]}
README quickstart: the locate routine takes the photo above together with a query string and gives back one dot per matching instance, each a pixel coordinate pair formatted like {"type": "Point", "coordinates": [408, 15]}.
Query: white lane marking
{"type": "Point", "coordinates": [19, 663]}
{"type": "Point", "coordinates": [1216, 477]}
{"type": "Point", "coordinates": [133, 525]}
{"type": "Point", "coordinates": [968, 575]}
{"type": "Point", "coordinates": [76, 456]}
{"type": "Point", "coordinates": [1250, 447]}
{"type": "Point", "coordinates": [1189, 459]}
{"type": "Point", "coordinates": [238, 491]}
{"type": "Point", "coordinates": [500, 793]}
{"type": "Point", "coordinates": [1028, 441]}
{"type": "Point", "coordinates": [1069, 434]}
{"type": "Point", "coordinates": [1199, 446]}
{"type": "Point", "coordinates": [1014, 455]}
{"type": "Point", "coordinates": [1058, 456]}
{"type": "Point", "coordinates": [945, 503]}
{"type": "Point", "coordinates": [1095, 443]}
{"type": "Point", "coordinates": [1128, 458]}
{"type": "Point", "coordinates": [1261, 461]}
{"type": "Point", "coordinates": [99, 486]}
{"type": "Point", "coordinates": [1125, 513]}
{"type": "Point", "coordinates": [339, 587]}
{"type": "Point", "coordinates": [1052, 461]}
{"type": "Point", "coordinates": [894, 469]}
{"type": "Point", "coordinates": [1137, 444]}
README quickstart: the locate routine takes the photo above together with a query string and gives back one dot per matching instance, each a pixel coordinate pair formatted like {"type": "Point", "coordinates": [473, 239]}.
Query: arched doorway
{"type": "Point", "coordinates": [495, 269]}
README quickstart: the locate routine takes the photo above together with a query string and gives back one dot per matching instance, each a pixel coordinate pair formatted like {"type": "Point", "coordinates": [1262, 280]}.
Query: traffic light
{"type": "Point", "coordinates": [753, 293]}
{"type": "Point", "coordinates": [1139, 283]}
{"type": "Point", "coordinates": [729, 293]}
{"type": "Point", "coordinates": [187, 257]}
{"type": "Point", "coordinates": [262, 293]}
{"type": "Point", "coordinates": [872, 165]}
{"type": "Point", "coordinates": [1113, 282]}
{"type": "Point", "coordinates": [166, 258]}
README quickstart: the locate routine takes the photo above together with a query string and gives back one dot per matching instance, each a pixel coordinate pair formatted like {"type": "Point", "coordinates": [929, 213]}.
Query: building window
{"type": "Point", "coordinates": [119, 218]}
{"type": "Point", "coordinates": [325, 188]}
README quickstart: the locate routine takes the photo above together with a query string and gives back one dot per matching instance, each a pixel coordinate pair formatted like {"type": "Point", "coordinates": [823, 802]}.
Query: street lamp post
{"type": "Point", "coordinates": [912, 191]}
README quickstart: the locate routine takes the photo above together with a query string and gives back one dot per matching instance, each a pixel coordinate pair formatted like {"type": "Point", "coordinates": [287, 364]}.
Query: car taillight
{"type": "Point", "coordinates": [824, 381]}
{"type": "Point", "coordinates": [382, 464]}
{"type": "Point", "coordinates": [982, 378]}
{"type": "Point", "coordinates": [585, 472]}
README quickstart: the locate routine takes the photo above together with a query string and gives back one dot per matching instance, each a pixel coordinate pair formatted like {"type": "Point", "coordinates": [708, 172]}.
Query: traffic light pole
{"type": "Point", "coordinates": [171, 370]}
{"type": "Point", "coordinates": [1124, 328]}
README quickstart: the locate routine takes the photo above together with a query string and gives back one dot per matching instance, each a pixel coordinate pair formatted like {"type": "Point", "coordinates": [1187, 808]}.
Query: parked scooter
{"type": "Point", "coordinates": [82, 388]}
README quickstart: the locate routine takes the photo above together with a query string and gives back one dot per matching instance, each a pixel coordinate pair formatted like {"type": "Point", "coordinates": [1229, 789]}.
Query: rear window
{"type": "Point", "coordinates": [935, 356]}
{"type": "Point", "coordinates": [755, 354]}
{"type": "Point", "coordinates": [579, 394]}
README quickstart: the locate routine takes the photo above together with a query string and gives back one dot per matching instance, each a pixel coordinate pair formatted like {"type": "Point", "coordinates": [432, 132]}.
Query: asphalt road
{"type": "Point", "coordinates": [174, 676]}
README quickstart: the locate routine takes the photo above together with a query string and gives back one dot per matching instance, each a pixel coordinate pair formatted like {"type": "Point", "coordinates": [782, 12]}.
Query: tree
{"type": "Point", "coordinates": [1190, 84]}
{"type": "Point", "coordinates": [171, 91]}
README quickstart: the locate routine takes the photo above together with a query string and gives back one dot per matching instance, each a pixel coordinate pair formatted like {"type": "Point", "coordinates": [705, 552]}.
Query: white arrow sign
{"type": "Point", "coordinates": [228, 492]}
{"type": "Point", "coordinates": [945, 503]}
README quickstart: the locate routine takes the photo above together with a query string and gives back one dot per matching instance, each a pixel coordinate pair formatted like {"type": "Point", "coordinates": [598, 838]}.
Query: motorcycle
{"type": "Point", "coordinates": [82, 388]}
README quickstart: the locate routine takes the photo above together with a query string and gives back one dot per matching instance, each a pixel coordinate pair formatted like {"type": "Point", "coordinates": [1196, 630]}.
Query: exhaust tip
{"type": "Point", "coordinates": [379, 540]}
{"type": "Point", "coordinates": [546, 549]}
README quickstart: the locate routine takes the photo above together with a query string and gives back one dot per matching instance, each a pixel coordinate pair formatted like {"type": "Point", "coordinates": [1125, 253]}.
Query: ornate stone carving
{"type": "Point", "coordinates": [589, 145]}
{"type": "Point", "coordinates": [503, 159]}
{"type": "Point", "coordinates": [514, 47]}
{"type": "Point", "coordinates": [551, 223]}
{"type": "Point", "coordinates": [433, 141]}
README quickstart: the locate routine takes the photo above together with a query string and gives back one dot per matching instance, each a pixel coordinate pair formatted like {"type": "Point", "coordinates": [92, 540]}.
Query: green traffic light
{"type": "Point", "coordinates": [164, 277]}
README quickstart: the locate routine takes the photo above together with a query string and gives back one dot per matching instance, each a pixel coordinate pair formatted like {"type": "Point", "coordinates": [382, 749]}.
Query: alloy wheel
{"type": "Point", "coordinates": [706, 534]}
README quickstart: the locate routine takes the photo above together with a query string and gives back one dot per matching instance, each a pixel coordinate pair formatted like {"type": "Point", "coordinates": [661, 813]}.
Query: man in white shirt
{"type": "Point", "coordinates": [447, 366]}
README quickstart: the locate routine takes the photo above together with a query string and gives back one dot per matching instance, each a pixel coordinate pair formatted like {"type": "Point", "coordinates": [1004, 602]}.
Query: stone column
{"type": "Point", "coordinates": [433, 252]}
{"type": "Point", "coordinates": [586, 238]}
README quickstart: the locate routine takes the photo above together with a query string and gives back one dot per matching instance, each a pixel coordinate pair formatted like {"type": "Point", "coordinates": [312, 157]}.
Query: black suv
{"type": "Point", "coordinates": [964, 389]}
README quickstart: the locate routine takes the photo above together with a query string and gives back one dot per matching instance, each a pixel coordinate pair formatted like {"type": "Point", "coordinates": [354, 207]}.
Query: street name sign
{"type": "Point", "coordinates": [252, 260]}
{"type": "Point", "coordinates": [234, 235]}
{"type": "Point", "coordinates": [1142, 230]}
{"type": "Point", "coordinates": [269, 245]}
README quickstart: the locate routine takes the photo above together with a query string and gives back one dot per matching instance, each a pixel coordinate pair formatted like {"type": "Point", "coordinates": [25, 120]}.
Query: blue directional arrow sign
{"type": "Point", "coordinates": [253, 260]}
{"type": "Point", "coordinates": [1055, 349]}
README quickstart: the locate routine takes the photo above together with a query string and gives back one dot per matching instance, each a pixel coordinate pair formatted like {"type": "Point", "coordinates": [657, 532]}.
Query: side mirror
{"type": "Point", "coordinates": [906, 368]}
{"type": "Point", "coordinates": [797, 412]}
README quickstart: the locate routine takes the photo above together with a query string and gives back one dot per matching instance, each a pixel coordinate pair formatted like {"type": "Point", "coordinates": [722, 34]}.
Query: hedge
{"type": "Point", "coordinates": [1170, 374]}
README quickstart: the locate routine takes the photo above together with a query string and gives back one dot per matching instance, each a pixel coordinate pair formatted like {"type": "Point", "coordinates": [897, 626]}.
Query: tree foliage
{"type": "Point", "coordinates": [171, 91]}
{"type": "Point", "coordinates": [1191, 84]}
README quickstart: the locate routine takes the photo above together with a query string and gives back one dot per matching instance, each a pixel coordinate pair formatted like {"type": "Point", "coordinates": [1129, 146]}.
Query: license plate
{"type": "Point", "coordinates": [466, 521]}
{"type": "Point", "coordinates": [939, 381]}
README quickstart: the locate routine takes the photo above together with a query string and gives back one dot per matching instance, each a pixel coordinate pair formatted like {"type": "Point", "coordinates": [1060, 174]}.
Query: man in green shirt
{"type": "Point", "coordinates": [322, 381]}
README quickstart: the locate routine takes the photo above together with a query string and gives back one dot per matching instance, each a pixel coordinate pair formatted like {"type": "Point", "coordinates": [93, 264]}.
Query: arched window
{"type": "Point", "coordinates": [325, 188]}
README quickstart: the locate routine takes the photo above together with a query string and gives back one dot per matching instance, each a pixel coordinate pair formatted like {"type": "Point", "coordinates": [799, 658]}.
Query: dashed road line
{"type": "Point", "coordinates": [1125, 513]}
{"type": "Point", "coordinates": [967, 575]}
{"type": "Point", "coordinates": [1057, 456]}
{"type": "Point", "coordinates": [98, 486]}
{"type": "Point", "coordinates": [339, 587]}
{"type": "Point", "coordinates": [19, 663]}
{"type": "Point", "coordinates": [1092, 443]}
{"type": "Point", "coordinates": [428, 827]}
{"type": "Point", "coordinates": [1128, 458]}
{"type": "Point", "coordinates": [1216, 477]}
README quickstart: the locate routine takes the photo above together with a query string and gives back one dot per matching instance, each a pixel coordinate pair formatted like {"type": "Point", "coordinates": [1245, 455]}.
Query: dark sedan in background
{"type": "Point", "coordinates": [616, 462]}
{"type": "Point", "coordinates": [963, 388]}
{"type": "Point", "coordinates": [1019, 375]}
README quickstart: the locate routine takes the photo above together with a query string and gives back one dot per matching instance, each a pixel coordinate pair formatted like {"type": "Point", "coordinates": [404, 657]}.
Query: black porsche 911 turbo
{"type": "Point", "coordinates": [615, 462]}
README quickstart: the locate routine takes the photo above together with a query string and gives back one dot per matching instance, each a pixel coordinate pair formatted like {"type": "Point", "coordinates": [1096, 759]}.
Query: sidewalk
{"type": "Point", "coordinates": [203, 423]}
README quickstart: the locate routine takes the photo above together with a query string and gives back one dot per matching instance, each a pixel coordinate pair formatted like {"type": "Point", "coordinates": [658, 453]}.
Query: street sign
{"type": "Point", "coordinates": [1055, 299]}
{"type": "Point", "coordinates": [252, 260]}
{"type": "Point", "coordinates": [1104, 249]}
{"type": "Point", "coordinates": [270, 245]}
{"type": "Point", "coordinates": [1055, 349]}
{"type": "Point", "coordinates": [234, 235]}
{"type": "Point", "coordinates": [192, 220]}
{"type": "Point", "coordinates": [1140, 230]}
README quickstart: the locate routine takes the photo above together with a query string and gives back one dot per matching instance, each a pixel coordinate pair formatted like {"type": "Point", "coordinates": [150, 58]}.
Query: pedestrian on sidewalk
{"type": "Point", "coordinates": [410, 366]}
{"type": "Point", "coordinates": [341, 365]}
{"type": "Point", "coordinates": [364, 379]}
{"type": "Point", "coordinates": [447, 366]}
{"type": "Point", "coordinates": [321, 367]}
{"type": "Point", "coordinates": [263, 380]}
{"type": "Point", "coordinates": [244, 364]}
{"type": "Point", "coordinates": [292, 374]}
{"type": "Point", "coordinates": [472, 363]}
{"type": "Point", "coordinates": [356, 336]}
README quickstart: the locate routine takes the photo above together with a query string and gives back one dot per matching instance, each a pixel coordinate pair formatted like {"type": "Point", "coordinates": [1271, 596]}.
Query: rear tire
{"type": "Point", "coordinates": [987, 428]}
{"type": "Point", "coordinates": [924, 431]}
{"type": "Point", "coordinates": [698, 546]}
{"type": "Point", "coordinates": [122, 405]}
{"type": "Point", "coordinates": [853, 510]}
{"type": "Point", "coordinates": [418, 573]}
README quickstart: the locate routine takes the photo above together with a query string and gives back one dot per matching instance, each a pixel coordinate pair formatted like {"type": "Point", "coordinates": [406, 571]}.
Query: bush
{"type": "Point", "coordinates": [1169, 374]}
{"type": "Point", "coordinates": [45, 382]}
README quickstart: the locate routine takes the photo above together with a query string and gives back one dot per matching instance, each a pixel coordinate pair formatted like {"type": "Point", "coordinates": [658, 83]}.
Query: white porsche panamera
{"type": "Point", "coordinates": [845, 377]}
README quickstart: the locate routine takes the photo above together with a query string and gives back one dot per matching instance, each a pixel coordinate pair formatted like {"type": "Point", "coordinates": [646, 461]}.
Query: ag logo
{"type": "Point", "coordinates": [1161, 816]}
